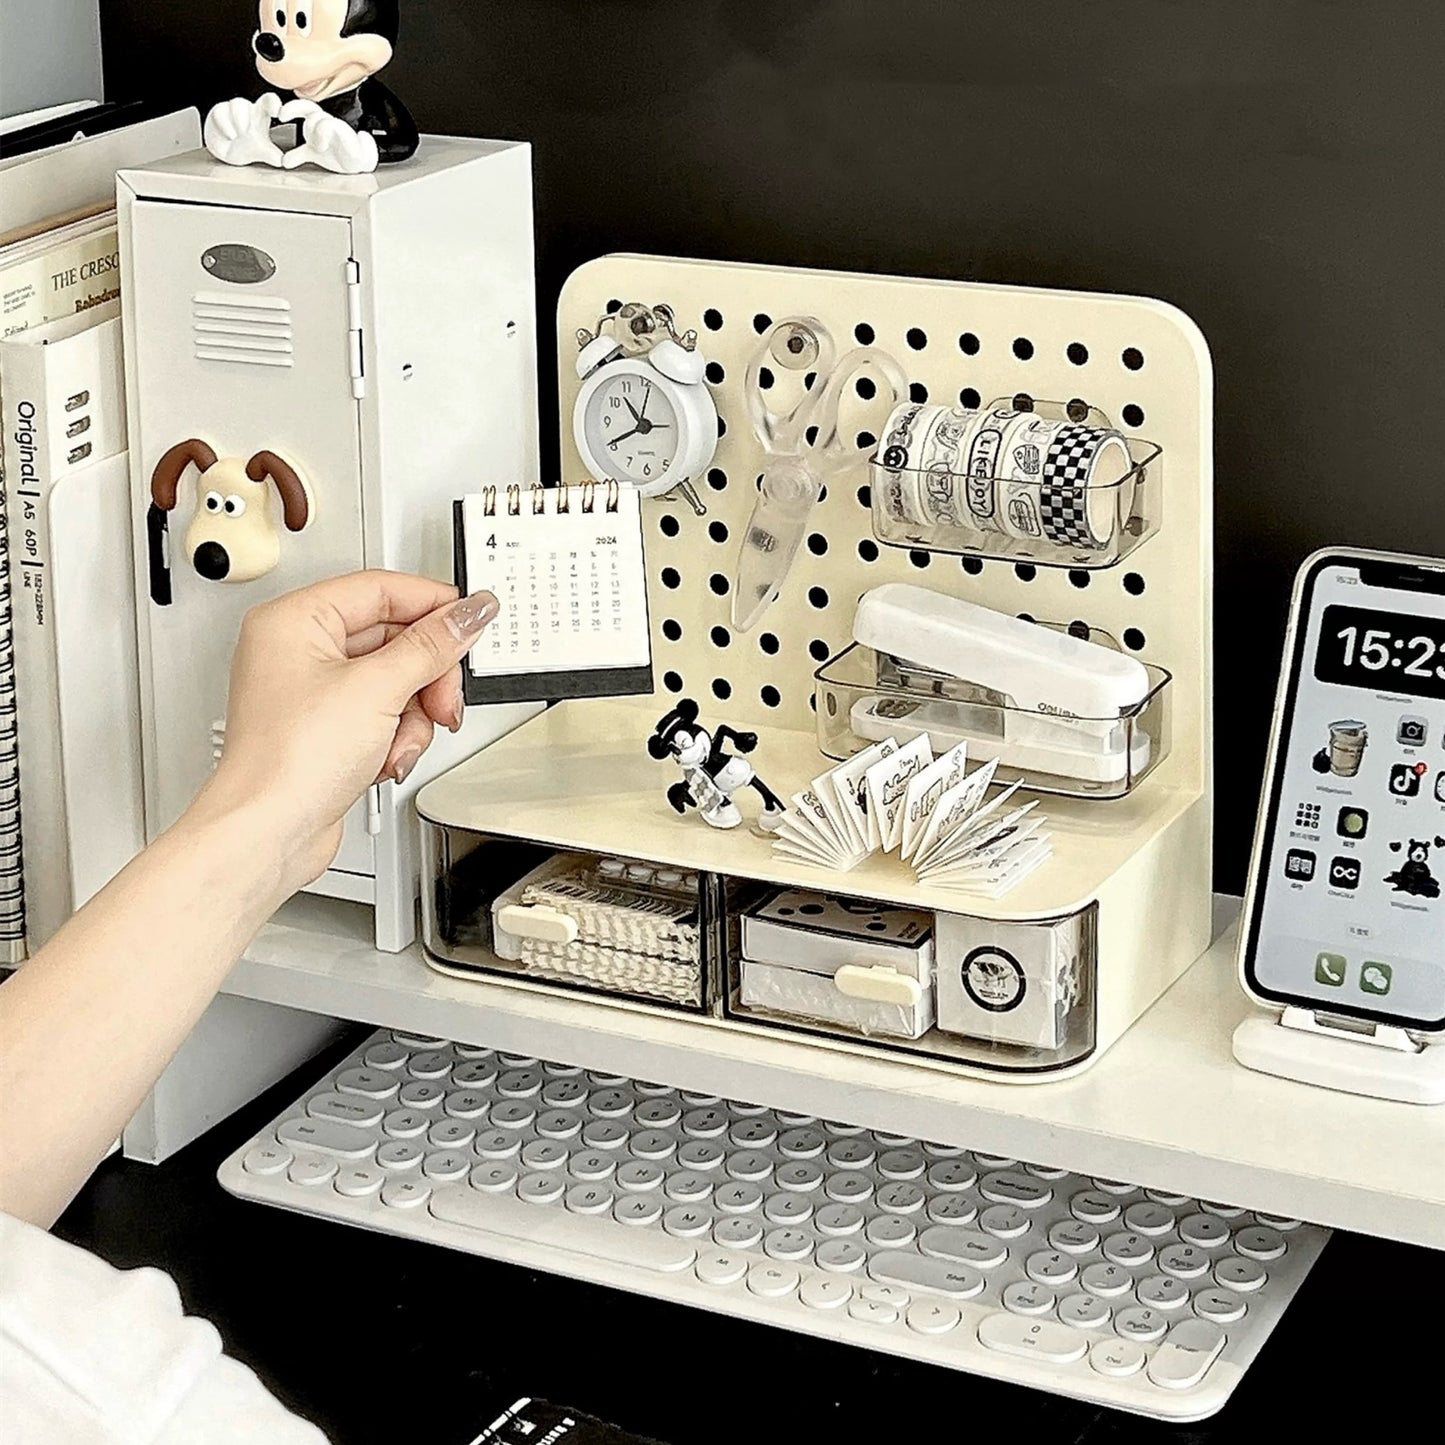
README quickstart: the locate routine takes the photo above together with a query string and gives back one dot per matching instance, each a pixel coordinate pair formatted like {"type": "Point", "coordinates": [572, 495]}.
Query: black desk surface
{"type": "Point", "coordinates": [377, 1339]}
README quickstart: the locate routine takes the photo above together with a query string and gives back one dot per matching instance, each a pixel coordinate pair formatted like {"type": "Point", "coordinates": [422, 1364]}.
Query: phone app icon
{"type": "Point", "coordinates": [1299, 865]}
{"type": "Point", "coordinates": [1344, 873]}
{"type": "Point", "coordinates": [1440, 787]}
{"type": "Point", "coordinates": [1376, 978]}
{"type": "Point", "coordinates": [1405, 779]}
{"type": "Point", "coordinates": [1307, 817]}
{"type": "Point", "coordinates": [1412, 731]}
{"type": "Point", "coordinates": [1330, 969]}
{"type": "Point", "coordinates": [1353, 822]}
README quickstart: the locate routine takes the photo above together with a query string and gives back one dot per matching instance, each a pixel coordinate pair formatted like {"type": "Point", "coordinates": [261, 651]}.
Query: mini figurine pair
{"type": "Point", "coordinates": [710, 773]}
{"type": "Point", "coordinates": [327, 54]}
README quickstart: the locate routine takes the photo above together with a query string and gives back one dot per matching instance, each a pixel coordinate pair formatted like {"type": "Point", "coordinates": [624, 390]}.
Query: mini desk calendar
{"type": "Point", "coordinates": [566, 564]}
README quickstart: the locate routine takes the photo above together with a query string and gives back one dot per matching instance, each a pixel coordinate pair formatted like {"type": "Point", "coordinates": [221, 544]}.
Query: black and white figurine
{"type": "Point", "coordinates": [710, 773]}
{"type": "Point", "coordinates": [327, 54]}
{"type": "Point", "coordinates": [1413, 876]}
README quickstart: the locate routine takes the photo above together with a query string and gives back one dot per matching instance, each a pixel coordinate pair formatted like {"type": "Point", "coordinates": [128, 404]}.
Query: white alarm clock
{"type": "Point", "coordinates": [644, 418]}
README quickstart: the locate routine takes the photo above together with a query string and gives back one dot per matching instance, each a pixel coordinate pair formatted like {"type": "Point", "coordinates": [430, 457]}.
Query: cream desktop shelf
{"type": "Point", "coordinates": [1167, 1106]}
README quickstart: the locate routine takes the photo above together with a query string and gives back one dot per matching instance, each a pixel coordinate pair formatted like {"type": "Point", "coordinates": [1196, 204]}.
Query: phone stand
{"type": "Point", "coordinates": [1384, 1064]}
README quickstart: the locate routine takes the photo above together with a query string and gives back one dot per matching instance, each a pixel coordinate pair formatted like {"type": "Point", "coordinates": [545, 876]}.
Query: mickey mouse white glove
{"type": "Point", "coordinates": [238, 132]}
{"type": "Point", "coordinates": [328, 142]}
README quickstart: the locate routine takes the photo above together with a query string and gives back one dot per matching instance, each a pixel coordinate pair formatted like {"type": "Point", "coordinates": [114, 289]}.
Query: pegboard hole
{"type": "Point", "coordinates": [721, 637]}
{"type": "Point", "coordinates": [1132, 358]}
{"type": "Point", "coordinates": [668, 525]}
{"type": "Point", "coordinates": [718, 531]}
{"type": "Point", "coordinates": [719, 584]}
{"type": "Point", "coordinates": [972, 565]}
{"type": "Point", "coordinates": [766, 379]}
{"type": "Point", "coordinates": [722, 689]}
{"type": "Point", "coordinates": [672, 629]}
{"type": "Point", "coordinates": [868, 550]}
{"type": "Point", "coordinates": [969, 344]}
{"type": "Point", "coordinates": [717, 479]}
{"type": "Point", "coordinates": [920, 559]}
{"type": "Point", "coordinates": [1076, 408]}
{"type": "Point", "coordinates": [672, 681]}
{"type": "Point", "coordinates": [818, 650]}
{"type": "Point", "coordinates": [1025, 571]}
{"type": "Point", "coordinates": [1080, 578]}
{"type": "Point", "coordinates": [1027, 617]}
{"type": "Point", "coordinates": [866, 387]}
{"type": "Point", "coordinates": [864, 334]}
{"type": "Point", "coordinates": [1134, 640]}
{"type": "Point", "coordinates": [811, 435]}
{"type": "Point", "coordinates": [917, 338]}
{"type": "Point", "coordinates": [614, 306]}
{"type": "Point", "coordinates": [768, 643]}
{"type": "Point", "coordinates": [1133, 415]}
{"type": "Point", "coordinates": [1080, 629]}
{"type": "Point", "coordinates": [818, 597]}
{"type": "Point", "coordinates": [1022, 401]}
{"type": "Point", "coordinates": [671, 578]}
{"type": "Point", "coordinates": [866, 441]}
{"type": "Point", "coordinates": [770, 695]}
{"type": "Point", "coordinates": [865, 495]}
{"type": "Point", "coordinates": [970, 399]}
{"type": "Point", "coordinates": [817, 544]}
{"type": "Point", "coordinates": [1023, 348]}
{"type": "Point", "coordinates": [715, 373]}
{"type": "Point", "coordinates": [822, 494]}
{"type": "Point", "coordinates": [722, 428]}
{"type": "Point", "coordinates": [761, 322]}
{"type": "Point", "coordinates": [1077, 352]}
{"type": "Point", "coordinates": [810, 381]}
{"type": "Point", "coordinates": [712, 318]}
{"type": "Point", "coordinates": [1133, 584]}
{"type": "Point", "coordinates": [917, 392]}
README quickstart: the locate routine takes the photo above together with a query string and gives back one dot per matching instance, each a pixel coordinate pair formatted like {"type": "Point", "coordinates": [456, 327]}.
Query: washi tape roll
{"type": "Point", "coordinates": [895, 458]}
{"type": "Point", "coordinates": [981, 466]}
{"type": "Point", "coordinates": [1081, 486]}
{"type": "Point", "coordinates": [940, 492]}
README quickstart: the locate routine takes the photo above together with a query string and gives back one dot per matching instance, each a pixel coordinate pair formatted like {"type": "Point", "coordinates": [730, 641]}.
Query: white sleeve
{"type": "Point", "coordinates": [89, 1352]}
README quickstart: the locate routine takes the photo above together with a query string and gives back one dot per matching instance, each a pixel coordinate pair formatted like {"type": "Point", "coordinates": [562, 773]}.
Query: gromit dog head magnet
{"type": "Point", "coordinates": [327, 54]}
{"type": "Point", "coordinates": [233, 536]}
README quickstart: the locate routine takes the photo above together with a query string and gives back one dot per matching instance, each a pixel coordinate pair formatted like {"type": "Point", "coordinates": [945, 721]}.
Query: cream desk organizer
{"type": "Point", "coordinates": [1130, 875]}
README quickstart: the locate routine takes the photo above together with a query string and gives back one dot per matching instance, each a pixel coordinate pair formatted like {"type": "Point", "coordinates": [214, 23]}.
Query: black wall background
{"type": "Point", "coordinates": [1273, 167]}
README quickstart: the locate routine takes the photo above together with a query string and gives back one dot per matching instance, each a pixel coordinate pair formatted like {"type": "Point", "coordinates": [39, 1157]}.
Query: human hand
{"type": "Point", "coordinates": [335, 687]}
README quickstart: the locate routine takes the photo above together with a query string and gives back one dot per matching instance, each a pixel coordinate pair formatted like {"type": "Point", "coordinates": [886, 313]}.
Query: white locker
{"type": "Point", "coordinates": [372, 336]}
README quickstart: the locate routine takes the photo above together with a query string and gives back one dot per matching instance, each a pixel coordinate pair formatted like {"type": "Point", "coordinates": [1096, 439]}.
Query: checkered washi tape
{"type": "Point", "coordinates": [1063, 488]}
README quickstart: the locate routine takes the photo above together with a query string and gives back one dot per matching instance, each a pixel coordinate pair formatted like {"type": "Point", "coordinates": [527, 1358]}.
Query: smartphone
{"type": "Point", "coordinates": [1344, 912]}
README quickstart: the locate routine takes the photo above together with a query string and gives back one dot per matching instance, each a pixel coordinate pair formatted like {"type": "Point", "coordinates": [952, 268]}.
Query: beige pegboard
{"type": "Point", "coordinates": [1141, 362]}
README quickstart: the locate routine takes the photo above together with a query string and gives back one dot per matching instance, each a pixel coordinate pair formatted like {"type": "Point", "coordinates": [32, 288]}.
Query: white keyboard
{"type": "Point", "coordinates": [1134, 1298]}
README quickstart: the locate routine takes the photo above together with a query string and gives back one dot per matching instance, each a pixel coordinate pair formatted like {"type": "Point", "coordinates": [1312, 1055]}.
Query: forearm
{"type": "Point", "coordinates": [89, 1023]}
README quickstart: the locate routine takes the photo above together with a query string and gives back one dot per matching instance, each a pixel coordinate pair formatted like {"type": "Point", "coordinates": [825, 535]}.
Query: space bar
{"type": "Point", "coordinates": [506, 1215]}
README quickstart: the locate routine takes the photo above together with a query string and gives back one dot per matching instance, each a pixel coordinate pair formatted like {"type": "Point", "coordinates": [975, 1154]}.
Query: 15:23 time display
{"type": "Point", "coordinates": [1386, 651]}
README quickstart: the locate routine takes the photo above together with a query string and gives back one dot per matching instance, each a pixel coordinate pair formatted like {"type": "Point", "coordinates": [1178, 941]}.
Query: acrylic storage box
{"type": "Point", "coordinates": [863, 696]}
{"type": "Point", "coordinates": [607, 925]}
{"type": "Point", "coordinates": [1023, 481]}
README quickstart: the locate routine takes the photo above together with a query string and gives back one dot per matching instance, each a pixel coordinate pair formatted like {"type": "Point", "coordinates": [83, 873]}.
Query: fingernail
{"type": "Point", "coordinates": [467, 617]}
{"type": "Point", "coordinates": [459, 708]}
{"type": "Point", "coordinates": [404, 763]}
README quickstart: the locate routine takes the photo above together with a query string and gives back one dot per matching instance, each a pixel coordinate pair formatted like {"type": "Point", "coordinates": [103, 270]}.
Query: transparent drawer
{"type": "Point", "coordinates": [1019, 480]}
{"type": "Point", "coordinates": [608, 925]}
{"type": "Point", "coordinates": [1015, 997]}
{"type": "Point", "coordinates": [863, 696]}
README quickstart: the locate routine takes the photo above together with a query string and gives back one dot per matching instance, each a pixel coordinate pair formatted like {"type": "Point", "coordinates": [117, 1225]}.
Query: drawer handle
{"type": "Point", "coordinates": [877, 984]}
{"type": "Point", "coordinates": [528, 921]}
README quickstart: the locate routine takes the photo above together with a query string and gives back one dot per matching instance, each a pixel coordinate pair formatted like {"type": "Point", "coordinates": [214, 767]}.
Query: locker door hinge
{"type": "Point", "coordinates": [356, 354]}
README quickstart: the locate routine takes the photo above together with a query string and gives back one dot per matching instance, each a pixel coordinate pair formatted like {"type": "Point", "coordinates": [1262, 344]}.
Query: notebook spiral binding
{"type": "Point", "coordinates": [610, 492]}
{"type": "Point", "coordinates": [12, 880]}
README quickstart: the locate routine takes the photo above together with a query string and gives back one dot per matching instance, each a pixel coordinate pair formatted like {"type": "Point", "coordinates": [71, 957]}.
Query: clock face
{"type": "Point", "coordinates": [632, 429]}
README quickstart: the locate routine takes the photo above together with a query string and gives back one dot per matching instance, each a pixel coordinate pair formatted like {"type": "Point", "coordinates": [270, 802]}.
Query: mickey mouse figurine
{"type": "Point", "coordinates": [327, 53]}
{"type": "Point", "coordinates": [710, 774]}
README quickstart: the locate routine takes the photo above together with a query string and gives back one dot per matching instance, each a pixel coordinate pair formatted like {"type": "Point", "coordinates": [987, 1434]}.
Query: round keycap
{"type": "Point", "coordinates": [1281, 1222]}
{"type": "Point", "coordinates": [639, 1176]}
{"type": "Point", "coordinates": [1084, 1311]}
{"type": "Point", "coordinates": [1149, 1218]}
{"type": "Point", "coordinates": [825, 1292]}
{"type": "Point", "coordinates": [265, 1159]}
{"type": "Point", "coordinates": [1128, 1247]}
{"type": "Point", "coordinates": [692, 1098]}
{"type": "Point", "coordinates": [1106, 1280]}
{"type": "Point", "coordinates": [511, 1114]}
{"type": "Point", "coordinates": [752, 1133]}
{"type": "Point", "coordinates": [430, 1064]}
{"type": "Point", "coordinates": [839, 1219]}
{"type": "Point", "coordinates": [589, 1198]}
{"type": "Point", "coordinates": [477, 1074]}
{"type": "Point", "coordinates": [721, 1267]}
{"type": "Point", "coordinates": [887, 1294]}
{"type": "Point", "coordinates": [359, 1181]}
{"type": "Point", "coordinates": [1006, 1186]}
{"type": "Point", "coordinates": [446, 1164]}
{"type": "Point", "coordinates": [850, 1154]}
{"type": "Point", "coordinates": [517, 1061]}
{"type": "Point", "coordinates": [495, 1178]}
{"type": "Point", "coordinates": [1224, 1211]}
{"type": "Point", "coordinates": [1114, 1186]}
{"type": "Point", "coordinates": [1219, 1306]}
{"type": "Point", "coordinates": [1024, 1297]}
{"type": "Point", "coordinates": [1073, 1236]}
{"type": "Point", "coordinates": [902, 1164]}
{"type": "Point", "coordinates": [991, 1162]}
{"type": "Point", "coordinates": [932, 1317]}
{"type": "Point", "coordinates": [498, 1144]}
{"type": "Point", "coordinates": [1094, 1206]}
{"type": "Point", "coordinates": [421, 1094]}
{"type": "Point", "coordinates": [1162, 1292]}
{"type": "Point", "coordinates": [949, 1176]}
{"type": "Point", "coordinates": [800, 1176]}
{"type": "Point", "coordinates": [840, 1256]}
{"type": "Point", "coordinates": [890, 1231]}
{"type": "Point", "coordinates": [788, 1208]}
{"type": "Point", "coordinates": [1244, 1275]}
{"type": "Point", "coordinates": [405, 1193]}
{"type": "Point", "coordinates": [1183, 1261]}
{"type": "Point", "coordinates": [1174, 1201]}
{"type": "Point", "coordinates": [1006, 1221]}
{"type": "Point", "coordinates": [601, 1134]}
{"type": "Point", "coordinates": [802, 1144]}
{"type": "Point", "coordinates": [653, 1144]}
{"type": "Point", "coordinates": [450, 1134]}
{"type": "Point", "coordinates": [704, 1123]}
{"type": "Point", "coordinates": [1204, 1231]}
{"type": "Point", "coordinates": [405, 1123]}
{"type": "Point", "coordinates": [369, 1083]}
{"type": "Point", "coordinates": [870, 1312]}
{"type": "Point", "coordinates": [750, 1164]}
{"type": "Point", "coordinates": [738, 1232]}
{"type": "Point", "coordinates": [543, 1154]}
{"type": "Point", "coordinates": [653, 1091]}
{"type": "Point", "coordinates": [399, 1154]}
{"type": "Point", "coordinates": [1118, 1358]}
{"type": "Point", "coordinates": [657, 1113]}
{"type": "Point", "coordinates": [465, 1104]}
{"type": "Point", "coordinates": [943, 1151]}
{"type": "Point", "coordinates": [563, 1093]}
{"type": "Point", "coordinates": [520, 1084]}
{"type": "Point", "coordinates": [1045, 1171]}
{"type": "Point", "coordinates": [836, 1129]}
{"type": "Point", "coordinates": [898, 1197]}
{"type": "Point", "coordinates": [952, 1209]}
{"type": "Point", "coordinates": [687, 1187]}
{"type": "Point", "coordinates": [895, 1141]}
{"type": "Point", "coordinates": [1141, 1324]}
{"type": "Point", "coordinates": [385, 1055]}
{"type": "Point", "coordinates": [472, 1051]}
{"type": "Point", "coordinates": [1257, 1242]}
{"type": "Point", "coordinates": [607, 1103]}
{"type": "Point", "coordinates": [701, 1156]}
{"type": "Point", "coordinates": [554, 1070]}
{"type": "Point", "coordinates": [541, 1188]}
{"type": "Point", "coordinates": [787, 1243]}
{"type": "Point", "coordinates": [638, 1210]}
{"type": "Point", "coordinates": [559, 1124]}
{"type": "Point", "coordinates": [591, 1165]}
{"type": "Point", "coordinates": [738, 1197]}
{"type": "Point", "coordinates": [789, 1119]}
{"type": "Point", "coordinates": [848, 1187]}
{"type": "Point", "coordinates": [772, 1281]}
{"type": "Point", "coordinates": [686, 1222]}
{"type": "Point", "coordinates": [1047, 1266]}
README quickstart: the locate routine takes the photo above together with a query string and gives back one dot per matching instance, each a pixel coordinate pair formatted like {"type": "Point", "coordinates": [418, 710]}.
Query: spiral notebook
{"type": "Point", "coordinates": [567, 565]}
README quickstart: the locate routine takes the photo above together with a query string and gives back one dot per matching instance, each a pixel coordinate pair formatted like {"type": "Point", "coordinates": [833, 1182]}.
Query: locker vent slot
{"type": "Point", "coordinates": [252, 331]}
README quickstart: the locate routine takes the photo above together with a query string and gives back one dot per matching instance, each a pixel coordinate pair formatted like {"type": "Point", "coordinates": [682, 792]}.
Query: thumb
{"type": "Point", "coordinates": [430, 647]}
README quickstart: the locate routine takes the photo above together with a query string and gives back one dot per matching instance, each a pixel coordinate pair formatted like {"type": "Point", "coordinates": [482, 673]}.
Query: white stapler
{"type": "Point", "coordinates": [1040, 701]}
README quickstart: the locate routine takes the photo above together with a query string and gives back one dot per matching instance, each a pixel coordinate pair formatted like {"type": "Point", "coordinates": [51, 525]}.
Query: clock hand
{"type": "Point", "coordinates": [636, 415]}
{"type": "Point", "coordinates": [617, 441]}
{"type": "Point", "coordinates": [646, 397]}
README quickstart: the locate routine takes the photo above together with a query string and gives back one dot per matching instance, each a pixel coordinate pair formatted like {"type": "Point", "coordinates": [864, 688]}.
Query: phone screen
{"type": "Point", "coordinates": [1347, 912]}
